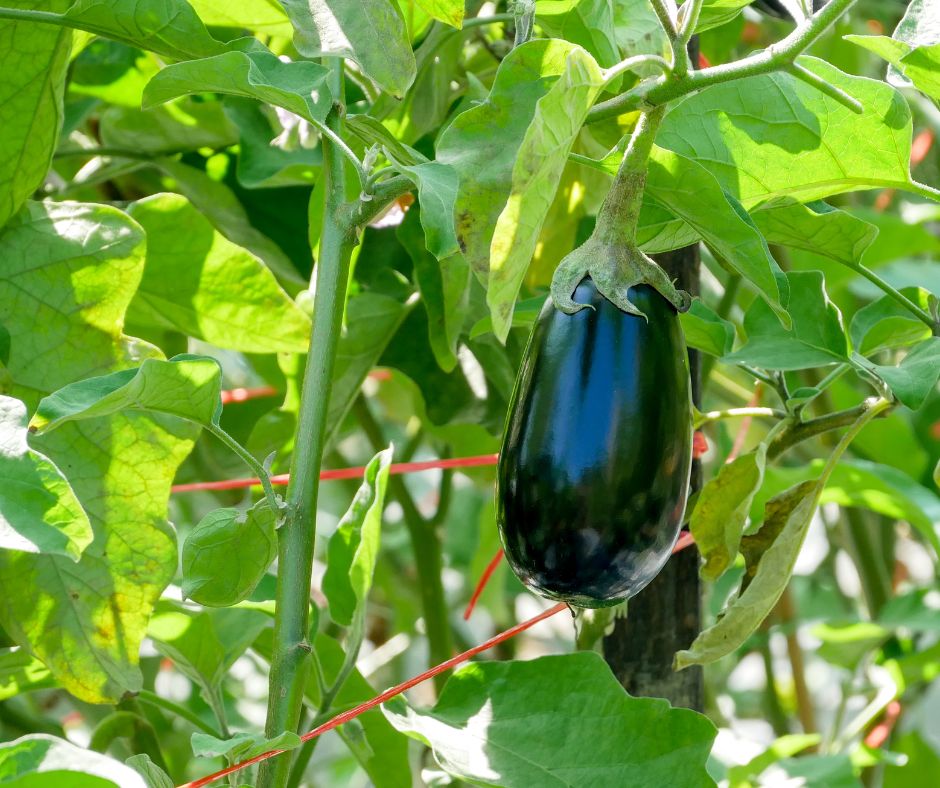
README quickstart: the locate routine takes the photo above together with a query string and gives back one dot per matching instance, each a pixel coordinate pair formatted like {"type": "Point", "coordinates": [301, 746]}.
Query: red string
{"type": "Point", "coordinates": [880, 733]}
{"type": "Point", "coordinates": [243, 395]}
{"type": "Point", "coordinates": [345, 473]}
{"type": "Point", "coordinates": [481, 584]}
{"type": "Point", "coordinates": [346, 716]}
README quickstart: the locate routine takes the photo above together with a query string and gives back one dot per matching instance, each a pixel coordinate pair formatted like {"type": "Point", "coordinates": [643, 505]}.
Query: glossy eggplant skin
{"type": "Point", "coordinates": [593, 474]}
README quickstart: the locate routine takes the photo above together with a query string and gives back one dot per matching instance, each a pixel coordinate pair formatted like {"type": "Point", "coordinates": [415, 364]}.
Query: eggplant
{"type": "Point", "coordinates": [593, 474]}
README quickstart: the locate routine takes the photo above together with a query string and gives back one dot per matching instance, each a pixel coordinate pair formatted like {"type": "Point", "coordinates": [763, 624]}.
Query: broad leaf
{"type": "Point", "coordinates": [185, 386]}
{"type": "Point", "coordinates": [354, 546]}
{"type": "Point", "coordinates": [39, 512]}
{"type": "Point", "coordinates": [42, 761]}
{"type": "Point", "coordinates": [715, 13]}
{"type": "Point", "coordinates": [818, 228]}
{"type": "Point", "coordinates": [33, 60]}
{"type": "Point", "coordinates": [227, 553]}
{"type": "Point", "coordinates": [205, 645]}
{"type": "Point", "coordinates": [182, 125]}
{"type": "Point", "coordinates": [370, 32]}
{"type": "Point", "coordinates": [704, 330]}
{"type": "Point", "coordinates": [447, 11]}
{"type": "Point", "coordinates": [598, 734]}
{"type": "Point", "coordinates": [919, 65]}
{"type": "Point", "coordinates": [539, 164]}
{"type": "Point", "coordinates": [258, 16]}
{"type": "Point", "coordinates": [218, 203]}
{"type": "Point", "coordinates": [198, 282]}
{"type": "Point", "coordinates": [444, 286]}
{"type": "Point", "coordinates": [20, 672]}
{"type": "Point", "coordinates": [770, 556]}
{"type": "Point", "coordinates": [482, 143]}
{"type": "Point", "coordinates": [241, 746]}
{"type": "Point", "coordinates": [437, 192]}
{"type": "Point", "coordinates": [167, 27]}
{"type": "Point", "coordinates": [817, 337]}
{"type": "Point", "coordinates": [721, 511]}
{"type": "Point", "coordinates": [297, 87]}
{"type": "Point", "coordinates": [847, 644]}
{"type": "Point", "coordinates": [587, 23]}
{"type": "Point", "coordinates": [885, 324]}
{"type": "Point", "coordinates": [916, 376]}
{"type": "Point", "coordinates": [71, 270]}
{"type": "Point", "coordinates": [773, 136]}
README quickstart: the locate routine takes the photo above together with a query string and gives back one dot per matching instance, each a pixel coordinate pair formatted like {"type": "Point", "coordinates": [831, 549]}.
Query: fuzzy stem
{"type": "Point", "coordinates": [620, 213]}
{"type": "Point", "coordinates": [290, 658]}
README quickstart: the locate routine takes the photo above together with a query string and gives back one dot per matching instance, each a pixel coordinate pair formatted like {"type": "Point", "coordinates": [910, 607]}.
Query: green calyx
{"type": "Point", "coordinates": [611, 256]}
{"type": "Point", "coordinates": [614, 268]}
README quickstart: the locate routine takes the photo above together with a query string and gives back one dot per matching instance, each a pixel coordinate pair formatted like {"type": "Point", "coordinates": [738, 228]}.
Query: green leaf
{"type": "Point", "coordinates": [639, 31]}
{"type": "Point", "coordinates": [269, 156]}
{"type": "Point", "coordinates": [370, 32]}
{"type": "Point", "coordinates": [540, 161]}
{"type": "Point", "coordinates": [227, 553]}
{"type": "Point", "coordinates": [726, 127]}
{"type": "Point", "coordinates": [605, 736]}
{"type": "Point", "coordinates": [689, 191]}
{"type": "Point", "coordinates": [183, 125]}
{"type": "Point", "coordinates": [204, 645]}
{"type": "Point", "coordinates": [153, 775]}
{"type": "Point", "coordinates": [770, 556]}
{"type": "Point", "coordinates": [198, 282]}
{"type": "Point", "coordinates": [218, 203]}
{"type": "Point", "coordinates": [706, 331]}
{"type": "Point", "coordinates": [922, 764]}
{"type": "Point", "coordinates": [587, 23]}
{"type": "Point", "coordinates": [354, 546]}
{"type": "Point", "coordinates": [715, 13]}
{"type": "Point", "coordinates": [39, 512]}
{"type": "Point", "coordinates": [916, 376]}
{"type": "Point", "coordinates": [444, 287]}
{"type": "Point", "coordinates": [167, 27]}
{"type": "Point", "coordinates": [437, 192]}
{"type": "Point", "coordinates": [917, 610]}
{"type": "Point", "coordinates": [241, 746]}
{"type": "Point", "coordinates": [70, 270]}
{"type": "Point", "coordinates": [919, 65]}
{"type": "Point", "coordinates": [524, 315]}
{"type": "Point", "coordinates": [816, 227]}
{"type": "Point", "coordinates": [482, 143]}
{"type": "Point", "coordinates": [30, 103]}
{"type": "Point", "coordinates": [448, 11]}
{"type": "Point", "coordinates": [847, 644]}
{"type": "Point", "coordinates": [258, 16]}
{"type": "Point", "coordinates": [21, 672]}
{"type": "Point", "coordinates": [817, 337]}
{"type": "Point", "coordinates": [297, 87]}
{"type": "Point", "coordinates": [185, 386]}
{"type": "Point", "coordinates": [42, 761]}
{"type": "Point", "coordinates": [885, 324]}
{"type": "Point", "coordinates": [742, 776]}
{"type": "Point", "coordinates": [721, 511]}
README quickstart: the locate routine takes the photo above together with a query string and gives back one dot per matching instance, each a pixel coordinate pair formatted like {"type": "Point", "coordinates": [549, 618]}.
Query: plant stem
{"type": "Point", "coordinates": [776, 716]}
{"type": "Point", "coordinates": [733, 413]}
{"type": "Point", "coordinates": [122, 153]}
{"type": "Point", "coordinates": [837, 94]}
{"type": "Point", "coordinates": [876, 583]}
{"type": "Point", "coordinates": [152, 699]}
{"type": "Point", "coordinates": [426, 545]}
{"type": "Point", "coordinates": [620, 212]}
{"type": "Point", "coordinates": [291, 650]}
{"type": "Point", "coordinates": [256, 467]}
{"type": "Point", "coordinates": [665, 18]}
{"type": "Point", "coordinates": [804, 704]}
{"type": "Point", "coordinates": [898, 296]}
{"type": "Point", "coordinates": [680, 46]}
{"type": "Point", "coordinates": [777, 57]}
{"type": "Point", "coordinates": [801, 431]}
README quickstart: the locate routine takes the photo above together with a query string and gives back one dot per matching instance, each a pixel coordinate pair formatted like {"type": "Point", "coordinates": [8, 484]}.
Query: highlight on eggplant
{"type": "Point", "coordinates": [593, 474]}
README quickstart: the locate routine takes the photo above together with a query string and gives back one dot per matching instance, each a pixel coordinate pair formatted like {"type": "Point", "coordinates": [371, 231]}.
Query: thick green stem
{"type": "Point", "coordinates": [290, 658]}
{"type": "Point", "coordinates": [620, 213]}
{"type": "Point", "coordinates": [777, 57]}
{"type": "Point", "coordinates": [427, 548]}
{"type": "Point", "coordinates": [801, 431]}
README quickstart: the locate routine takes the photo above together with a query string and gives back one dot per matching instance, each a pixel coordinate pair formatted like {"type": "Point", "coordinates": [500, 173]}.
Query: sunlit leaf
{"type": "Point", "coordinates": [43, 761]}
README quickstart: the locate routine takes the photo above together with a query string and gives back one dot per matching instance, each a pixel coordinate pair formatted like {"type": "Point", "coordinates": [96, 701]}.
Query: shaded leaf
{"type": "Point", "coordinates": [185, 386]}
{"type": "Point", "coordinates": [228, 553]}
{"type": "Point", "coordinates": [721, 511]}
{"type": "Point", "coordinates": [704, 330]}
{"type": "Point", "coordinates": [885, 324]}
{"type": "Point", "coordinates": [916, 376]}
{"type": "Point", "coordinates": [846, 644]}
{"type": "Point", "coordinates": [817, 337]}
{"type": "Point", "coordinates": [241, 746]}
{"type": "Point", "coordinates": [604, 736]}
{"type": "Point", "coordinates": [153, 775]}
{"type": "Point", "coordinates": [184, 125]}
{"type": "Point", "coordinates": [354, 546]}
{"type": "Point", "coordinates": [20, 672]}
{"type": "Point", "coordinates": [587, 23]}
{"type": "Point", "coordinates": [39, 512]}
